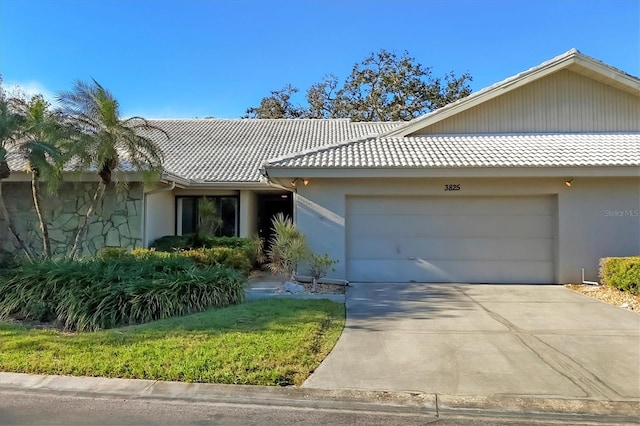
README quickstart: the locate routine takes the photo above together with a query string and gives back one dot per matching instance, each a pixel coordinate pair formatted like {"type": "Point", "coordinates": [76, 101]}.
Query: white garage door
{"type": "Point", "coordinates": [447, 239]}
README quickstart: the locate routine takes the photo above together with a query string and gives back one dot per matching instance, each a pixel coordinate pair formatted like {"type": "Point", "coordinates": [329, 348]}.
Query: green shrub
{"type": "Point", "coordinates": [235, 258]}
{"type": "Point", "coordinates": [622, 273]}
{"type": "Point", "coordinates": [174, 243]}
{"type": "Point", "coordinates": [109, 253]}
{"type": "Point", "coordinates": [171, 243]}
{"type": "Point", "coordinates": [186, 242]}
{"type": "Point", "coordinates": [96, 294]}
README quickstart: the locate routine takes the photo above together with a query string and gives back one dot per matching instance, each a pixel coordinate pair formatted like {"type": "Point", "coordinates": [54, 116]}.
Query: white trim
{"type": "Point", "coordinates": [277, 174]}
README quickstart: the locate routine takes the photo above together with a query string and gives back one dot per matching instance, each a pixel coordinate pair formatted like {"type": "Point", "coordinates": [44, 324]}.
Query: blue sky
{"type": "Point", "coordinates": [197, 58]}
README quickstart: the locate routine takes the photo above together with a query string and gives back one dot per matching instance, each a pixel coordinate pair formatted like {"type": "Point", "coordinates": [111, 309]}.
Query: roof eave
{"type": "Point", "coordinates": [228, 185]}
{"type": "Point", "coordinates": [454, 172]}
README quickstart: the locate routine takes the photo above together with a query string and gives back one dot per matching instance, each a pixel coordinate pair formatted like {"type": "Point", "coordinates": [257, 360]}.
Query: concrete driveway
{"type": "Point", "coordinates": [484, 340]}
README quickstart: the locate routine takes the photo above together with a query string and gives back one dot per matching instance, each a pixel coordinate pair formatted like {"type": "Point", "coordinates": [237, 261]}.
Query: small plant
{"type": "Point", "coordinates": [288, 247]}
{"type": "Point", "coordinates": [258, 244]}
{"type": "Point", "coordinates": [319, 266]}
{"type": "Point", "coordinates": [209, 220]}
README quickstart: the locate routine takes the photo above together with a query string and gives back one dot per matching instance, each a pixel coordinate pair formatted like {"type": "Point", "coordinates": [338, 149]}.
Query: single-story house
{"type": "Point", "coordinates": [527, 181]}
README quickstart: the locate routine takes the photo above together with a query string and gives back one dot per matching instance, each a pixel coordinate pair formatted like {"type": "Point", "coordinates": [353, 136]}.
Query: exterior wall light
{"type": "Point", "coordinates": [568, 182]}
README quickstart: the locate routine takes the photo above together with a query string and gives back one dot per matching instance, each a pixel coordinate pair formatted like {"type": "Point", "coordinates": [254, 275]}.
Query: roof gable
{"type": "Point", "coordinates": [572, 61]}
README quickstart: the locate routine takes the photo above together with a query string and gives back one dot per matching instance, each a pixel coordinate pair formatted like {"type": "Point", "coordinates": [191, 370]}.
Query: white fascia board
{"type": "Point", "coordinates": [631, 82]}
{"type": "Point", "coordinates": [18, 176]}
{"type": "Point", "coordinates": [170, 177]}
{"type": "Point", "coordinates": [228, 185]}
{"type": "Point", "coordinates": [426, 172]}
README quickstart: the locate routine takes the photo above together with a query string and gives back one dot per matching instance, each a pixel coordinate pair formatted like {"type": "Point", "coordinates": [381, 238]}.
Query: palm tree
{"type": "Point", "coordinates": [110, 143]}
{"type": "Point", "coordinates": [11, 121]}
{"type": "Point", "coordinates": [42, 133]}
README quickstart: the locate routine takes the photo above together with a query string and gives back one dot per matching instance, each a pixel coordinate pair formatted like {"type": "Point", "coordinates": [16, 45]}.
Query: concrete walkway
{"type": "Point", "coordinates": [484, 341]}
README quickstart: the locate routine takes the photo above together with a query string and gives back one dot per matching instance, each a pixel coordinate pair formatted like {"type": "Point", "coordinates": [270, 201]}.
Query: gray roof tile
{"type": "Point", "coordinates": [232, 150]}
{"type": "Point", "coordinates": [450, 151]}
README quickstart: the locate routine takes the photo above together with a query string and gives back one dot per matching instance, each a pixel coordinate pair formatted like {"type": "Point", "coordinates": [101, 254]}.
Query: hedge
{"type": "Point", "coordinates": [175, 243]}
{"type": "Point", "coordinates": [234, 258]}
{"type": "Point", "coordinates": [105, 293]}
{"type": "Point", "coordinates": [622, 273]}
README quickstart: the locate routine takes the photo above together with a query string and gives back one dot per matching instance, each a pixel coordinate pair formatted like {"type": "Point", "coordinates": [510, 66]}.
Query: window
{"type": "Point", "coordinates": [215, 215]}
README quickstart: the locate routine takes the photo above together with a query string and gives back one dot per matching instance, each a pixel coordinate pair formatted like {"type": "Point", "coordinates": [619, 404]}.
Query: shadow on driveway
{"type": "Point", "coordinates": [484, 340]}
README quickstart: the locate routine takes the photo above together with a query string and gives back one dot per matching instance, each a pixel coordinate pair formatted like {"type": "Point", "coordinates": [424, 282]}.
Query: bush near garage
{"type": "Point", "coordinates": [622, 273]}
{"type": "Point", "coordinates": [105, 293]}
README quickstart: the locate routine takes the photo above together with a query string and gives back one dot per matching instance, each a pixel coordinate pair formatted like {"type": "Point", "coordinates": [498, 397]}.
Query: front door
{"type": "Point", "coordinates": [269, 205]}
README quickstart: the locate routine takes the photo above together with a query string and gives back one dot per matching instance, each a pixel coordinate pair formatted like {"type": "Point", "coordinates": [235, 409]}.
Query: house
{"type": "Point", "coordinates": [527, 181]}
{"type": "Point", "coordinates": [216, 158]}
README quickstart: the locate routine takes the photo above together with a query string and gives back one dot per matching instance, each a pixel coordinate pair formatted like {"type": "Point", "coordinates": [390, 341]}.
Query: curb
{"type": "Point", "coordinates": [428, 404]}
{"type": "Point", "coordinates": [371, 401]}
{"type": "Point", "coordinates": [612, 411]}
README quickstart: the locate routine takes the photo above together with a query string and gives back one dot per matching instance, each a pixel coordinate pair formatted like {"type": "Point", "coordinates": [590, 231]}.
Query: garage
{"type": "Point", "coordinates": [451, 239]}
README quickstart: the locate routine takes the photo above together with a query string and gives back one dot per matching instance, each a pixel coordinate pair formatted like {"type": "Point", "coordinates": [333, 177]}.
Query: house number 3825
{"type": "Point", "coordinates": [455, 187]}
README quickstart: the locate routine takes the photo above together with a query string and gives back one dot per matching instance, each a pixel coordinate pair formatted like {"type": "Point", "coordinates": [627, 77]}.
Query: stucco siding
{"type": "Point", "coordinates": [597, 218]}
{"type": "Point", "coordinates": [584, 231]}
{"type": "Point", "coordinates": [248, 214]}
{"type": "Point", "coordinates": [562, 102]}
{"type": "Point", "coordinates": [160, 216]}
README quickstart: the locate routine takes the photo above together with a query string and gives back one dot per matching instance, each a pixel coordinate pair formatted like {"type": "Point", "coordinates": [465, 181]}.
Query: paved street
{"type": "Point", "coordinates": [49, 409]}
{"type": "Point", "coordinates": [42, 408]}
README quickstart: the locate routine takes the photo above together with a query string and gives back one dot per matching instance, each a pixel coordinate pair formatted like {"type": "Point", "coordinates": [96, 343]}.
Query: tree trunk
{"type": "Point", "coordinates": [82, 228]}
{"type": "Point", "coordinates": [44, 228]}
{"type": "Point", "coordinates": [12, 229]}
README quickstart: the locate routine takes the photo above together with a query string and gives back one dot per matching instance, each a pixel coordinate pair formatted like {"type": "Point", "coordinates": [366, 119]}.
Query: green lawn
{"type": "Point", "coordinates": [265, 342]}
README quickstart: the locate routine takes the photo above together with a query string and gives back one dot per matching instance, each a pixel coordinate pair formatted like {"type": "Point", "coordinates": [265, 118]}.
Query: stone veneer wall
{"type": "Point", "coordinates": [116, 223]}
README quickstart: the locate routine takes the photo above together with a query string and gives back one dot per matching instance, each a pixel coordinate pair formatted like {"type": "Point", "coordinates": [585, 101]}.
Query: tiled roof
{"type": "Point", "coordinates": [232, 150]}
{"type": "Point", "coordinates": [452, 151]}
{"type": "Point", "coordinates": [18, 163]}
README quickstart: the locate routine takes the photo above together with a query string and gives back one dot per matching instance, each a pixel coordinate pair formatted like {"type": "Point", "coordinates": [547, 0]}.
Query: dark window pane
{"type": "Point", "coordinates": [188, 215]}
{"type": "Point", "coordinates": [197, 217]}
{"type": "Point", "coordinates": [229, 215]}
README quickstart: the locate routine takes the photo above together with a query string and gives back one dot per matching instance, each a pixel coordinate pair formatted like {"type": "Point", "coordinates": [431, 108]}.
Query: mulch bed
{"type": "Point", "coordinates": [609, 295]}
